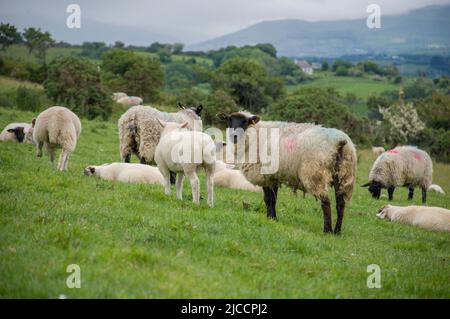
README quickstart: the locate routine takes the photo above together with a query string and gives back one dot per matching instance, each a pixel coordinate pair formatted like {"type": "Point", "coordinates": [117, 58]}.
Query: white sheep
{"type": "Point", "coordinates": [310, 158]}
{"type": "Point", "coordinates": [402, 166]}
{"type": "Point", "coordinates": [130, 100]}
{"type": "Point", "coordinates": [226, 176]}
{"type": "Point", "coordinates": [126, 172]}
{"type": "Point", "coordinates": [55, 127]}
{"type": "Point", "coordinates": [431, 218]}
{"type": "Point", "coordinates": [16, 132]}
{"type": "Point", "coordinates": [140, 131]}
{"type": "Point", "coordinates": [436, 188]}
{"type": "Point", "coordinates": [185, 152]}
{"type": "Point", "coordinates": [378, 150]}
{"type": "Point", "coordinates": [118, 95]}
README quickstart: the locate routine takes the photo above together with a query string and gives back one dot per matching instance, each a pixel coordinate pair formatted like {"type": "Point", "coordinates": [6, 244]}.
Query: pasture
{"type": "Point", "coordinates": [132, 241]}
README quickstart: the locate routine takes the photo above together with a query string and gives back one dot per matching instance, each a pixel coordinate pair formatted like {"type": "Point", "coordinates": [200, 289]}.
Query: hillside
{"type": "Point", "coordinates": [423, 30]}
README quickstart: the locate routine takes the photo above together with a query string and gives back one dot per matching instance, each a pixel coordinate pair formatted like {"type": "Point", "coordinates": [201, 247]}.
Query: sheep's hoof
{"type": "Point", "coordinates": [328, 231]}
{"type": "Point", "coordinates": [337, 232]}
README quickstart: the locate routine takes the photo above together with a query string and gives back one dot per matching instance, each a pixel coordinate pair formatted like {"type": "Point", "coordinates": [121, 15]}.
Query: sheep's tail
{"type": "Point", "coordinates": [344, 169]}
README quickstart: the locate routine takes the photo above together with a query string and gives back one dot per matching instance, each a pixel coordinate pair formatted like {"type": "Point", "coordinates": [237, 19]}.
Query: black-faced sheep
{"type": "Point", "coordinates": [55, 127]}
{"type": "Point", "coordinates": [431, 218]}
{"type": "Point", "coordinates": [16, 132]}
{"type": "Point", "coordinates": [126, 172]}
{"type": "Point", "coordinates": [140, 131]}
{"type": "Point", "coordinates": [310, 158]}
{"type": "Point", "coordinates": [402, 166]}
{"type": "Point", "coordinates": [185, 152]}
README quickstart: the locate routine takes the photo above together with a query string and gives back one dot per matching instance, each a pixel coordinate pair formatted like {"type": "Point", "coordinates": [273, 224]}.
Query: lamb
{"type": "Point", "coordinates": [140, 131]}
{"type": "Point", "coordinates": [16, 132]}
{"type": "Point", "coordinates": [378, 150]}
{"type": "Point", "coordinates": [310, 158]}
{"type": "Point", "coordinates": [431, 218]}
{"type": "Point", "coordinates": [55, 127]}
{"type": "Point", "coordinates": [126, 172]}
{"type": "Point", "coordinates": [436, 188]}
{"type": "Point", "coordinates": [185, 152]}
{"type": "Point", "coordinates": [226, 176]}
{"type": "Point", "coordinates": [401, 166]}
{"type": "Point", "coordinates": [118, 95]}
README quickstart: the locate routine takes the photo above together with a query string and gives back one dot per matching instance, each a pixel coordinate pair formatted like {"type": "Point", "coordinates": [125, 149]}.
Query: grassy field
{"type": "Point", "coordinates": [133, 241]}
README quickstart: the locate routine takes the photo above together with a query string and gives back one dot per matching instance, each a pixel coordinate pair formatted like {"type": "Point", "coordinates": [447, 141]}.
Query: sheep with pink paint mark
{"type": "Point", "coordinates": [402, 166]}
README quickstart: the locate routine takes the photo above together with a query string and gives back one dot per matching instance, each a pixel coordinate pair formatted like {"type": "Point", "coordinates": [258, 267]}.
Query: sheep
{"type": "Point", "coordinates": [226, 176]}
{"type": "Point", "coordinates": [130, 100]}
{"type": "Point", "coordinates": [402, 166]}
{"type": "Point", "coordinates": [436, 188]}
{"type": "Point", "coordinates": [55, 127]}
{"type": "Point", "coordinates": [139, 130]}
{"type": "Point", "coordinates": [16, 132]}
{"type": "Point", "coordinates": [378, 150]}
{"type": "Point", "coordinates": [309, 158]}
{"type": "Point", "coordinates": [431, 218]}
{"type": "Point", "coordinates": [118, 95]}
{"type": "Point", "coordinates": [126, 172]}
{"type": "Point", "coordinates": [185, 152]}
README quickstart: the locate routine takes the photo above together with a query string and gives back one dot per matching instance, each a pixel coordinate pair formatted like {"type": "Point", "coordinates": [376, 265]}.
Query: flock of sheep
{"type": "Point", "coordinates": [311, 158]}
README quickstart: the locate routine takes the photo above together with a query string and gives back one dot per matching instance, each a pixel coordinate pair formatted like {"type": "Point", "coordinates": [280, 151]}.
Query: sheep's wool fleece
{"type": "Point", "coordinates": [7, 136]}
{"type": "Point", "coordinates": [307, 159]}
{"type": "Point", "coordinates": [403, 165]}
{"type": "Point", "coordinates": [57, 125]}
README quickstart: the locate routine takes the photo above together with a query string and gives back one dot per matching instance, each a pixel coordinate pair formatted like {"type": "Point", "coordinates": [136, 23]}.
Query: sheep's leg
{"type": "Point", "coordinates": [51, 153]}
{"type": "Point", "coordinates": [165, 173]}
{"type": "Point", "coordinates": [270, 198]}
{"type": "Point", "coordinates": [195, 186]}
{"type": "Point", "coordinates": [340, 207]}
{"type": "Point", "coordinates": [410, 192]}
{"type": "Point", "coordinates": [66, 162]}
{"type": "Point", "coordinates": [39, 149]}
{"type": "Point", "coordinates": [173, 177]}
{"type": "Point", "coordinates": [391, 192]}
{"type": "Point", "coordinates": [326, 208]}
{"type": "Point", "coordinates": [210, 186]}
{"type": "Point", "coordinates": [62, 160]}
{"type": "Point", "coordinates": [180, 178]}
{"type": "Point", "coordinates": [126, 158]}
{"type": "Point", "coordinates": [424, 194]}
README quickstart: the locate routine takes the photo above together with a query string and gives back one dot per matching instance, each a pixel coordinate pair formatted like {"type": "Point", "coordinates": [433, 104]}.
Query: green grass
{"type": "Point", "coordinates": [7, 84]}
{"type": "Point", "coordinates": [133, 241]}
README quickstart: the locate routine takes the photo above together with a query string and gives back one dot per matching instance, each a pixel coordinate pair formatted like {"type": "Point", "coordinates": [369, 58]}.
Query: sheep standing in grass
{"type": "Point", "coordinates": [126, 172]}
{"type": "Point", "coordinates": [140, 131]}
{"type": "Point", "coordinates": [55, 127]}
{"type": "Point", "coordinates": [378, 150]}
{"type": "Point", "coordinates": [402, 166]}
{"type": "Point", "coordinates": [431, 218]}
{"type": "Point", "coordinates": [16, 132]}
{"type": "Point", "coordinates": [185, 152]}
{"type": "Point", "coordinates": [310, 158]}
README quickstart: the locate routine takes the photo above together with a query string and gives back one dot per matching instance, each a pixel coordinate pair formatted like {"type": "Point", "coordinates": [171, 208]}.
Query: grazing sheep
{"type": "Point", "coordinates": [140, 131]}
{"type": "Point", "coordinates": [226, 176]}
{"type": "Point", "coordinates": [431, 218]}
{"type": "Point", "coordinates": [55, 127]}
{"type": "Point", "coordinates": [118, 95]}
{"type": "Point", "coordinates": [402, 166]}
{"type": "Point", "coordinates": [436, 188]}
{"type": "Point", "coordinates": [126, 172]}
{"type": "Point", "coordinates": [130, 100]}
{"type": "Point", "coordinates": [311, 158]}
{"type": "Point", "coordinates": [378, 150]}
{"type": "Point", "coordinates": [16, 132]}
{"type": "Point", "coordinates": [185, 152]}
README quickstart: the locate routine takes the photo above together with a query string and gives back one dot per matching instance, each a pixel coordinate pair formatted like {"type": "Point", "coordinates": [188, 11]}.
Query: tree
{"type": "Point", "coordinates": [75, 83]}
{"type": "Point", "coordinates": [9, 35]}
{"type": "Point", "coordinates": [177, 48]}
{"type": "Point", "coordinates": [119, 44]}
{"type": "Point", "coordinates": [325, 66]}
{"type": "Point", "coordinates": [38, 41]}
{"type": "Point", "coordinates": [145, 78]}
{"type": "Point", "coordinates": [165, 56]}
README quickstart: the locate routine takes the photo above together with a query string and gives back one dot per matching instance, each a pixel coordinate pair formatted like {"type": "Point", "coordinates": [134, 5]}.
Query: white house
{"type": "Point", "coordinates": [305, 66]}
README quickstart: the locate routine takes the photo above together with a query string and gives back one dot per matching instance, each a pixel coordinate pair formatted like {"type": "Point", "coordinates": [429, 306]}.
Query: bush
{"type": "Point", "coordinates": [218, 101]}
{"type": "Point", "coordinates": [341, 71]}
{"type": "Point", "coordinates": [75, 82]}
{"type": "Point", "coordinates": [436, 142]}
{"type": "Point", "coordinates": [29, 99]}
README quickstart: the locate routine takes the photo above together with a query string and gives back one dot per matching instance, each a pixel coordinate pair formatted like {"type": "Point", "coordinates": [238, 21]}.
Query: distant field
{"type": "Point", "coordinates": [134, 241]}
{"type": "Point", "coordinates": [7, 84]}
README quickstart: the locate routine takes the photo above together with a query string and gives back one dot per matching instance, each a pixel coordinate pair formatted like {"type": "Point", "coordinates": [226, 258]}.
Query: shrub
{"type": "Point", "coordinates": [75, 82]}
{"type": "Point", "coordinates": [29, 99]}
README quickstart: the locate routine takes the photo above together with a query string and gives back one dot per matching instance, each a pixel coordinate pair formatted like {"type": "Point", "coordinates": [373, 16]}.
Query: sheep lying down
{"type": "Point", "coordinates": [126, 172]}
{"type": "Point", "coordinates": [226, 176]}
{"type": "Point", "coordinates": [16, 132]}
{"type": "Point", "coordinates": [431, 218]}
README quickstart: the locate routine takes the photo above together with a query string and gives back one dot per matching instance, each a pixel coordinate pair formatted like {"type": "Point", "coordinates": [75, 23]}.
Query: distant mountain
{"type": "Point", "coordinates": [418, 31]}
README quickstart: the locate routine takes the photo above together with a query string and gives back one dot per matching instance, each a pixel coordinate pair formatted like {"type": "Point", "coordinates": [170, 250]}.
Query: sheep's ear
{"type": "Point", "coordinates": [33, 122]}
{"type": "Point", "coordinates": [181, 106]}
{"type": "Point", "coordinates": [222, 117]}
{"type": "Point", "coordinates": [12, 130]}
{"type": "Point", "coordinates": [366, 184]}
{"type": "Point", "coordinates": [253, 120]}
{"type": "Point", "coordinates": [163, 124]}
{"type": "Point", "coordinates": [183, 125]}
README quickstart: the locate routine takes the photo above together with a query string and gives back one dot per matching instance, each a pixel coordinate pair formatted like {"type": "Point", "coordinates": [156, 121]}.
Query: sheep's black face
{"type": "Point", "coordinates": [19, 133]}
{"type": "Point", "coordinates": [237, 125]}
{"type": "Point", "coordinates": [375, 189]}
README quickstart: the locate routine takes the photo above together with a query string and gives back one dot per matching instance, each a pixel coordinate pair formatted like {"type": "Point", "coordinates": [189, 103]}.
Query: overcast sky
{"type": "Point", "coordinates": [198, 20]}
